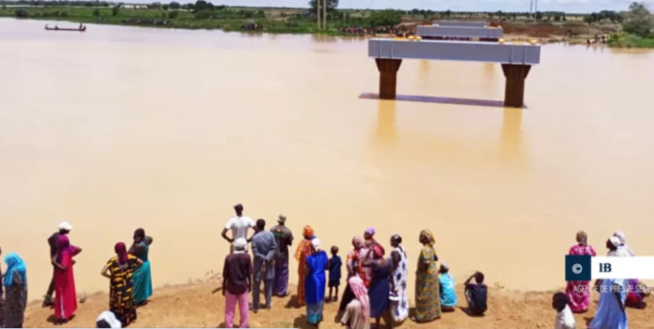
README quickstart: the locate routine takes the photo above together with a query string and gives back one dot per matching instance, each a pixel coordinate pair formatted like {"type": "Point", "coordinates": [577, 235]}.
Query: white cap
{"type": "Point", "coordinates": [615, 241]}
{"type": "Point", "coordinates": [65, 226]}
{"type": "Point", "coordinates": [315, 243]}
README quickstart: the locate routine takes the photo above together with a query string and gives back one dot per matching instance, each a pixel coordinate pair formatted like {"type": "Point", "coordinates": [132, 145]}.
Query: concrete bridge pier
{"type": "Point", "coordinates": [514, 92]}
{"type": "Point", "coordinates": [387, 76]}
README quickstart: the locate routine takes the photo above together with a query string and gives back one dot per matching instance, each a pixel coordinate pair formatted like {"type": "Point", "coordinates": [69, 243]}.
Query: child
{"type": "Point", "coordinates": [334, 266]}
{"type": "Point", "coordinates": [564, 318]}
{"type": "Point", "coordinates": [476, 294]}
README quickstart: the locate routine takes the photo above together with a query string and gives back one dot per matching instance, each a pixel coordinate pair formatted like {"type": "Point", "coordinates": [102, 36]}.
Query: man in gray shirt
{"type": "Point", "coordinates": [264, 247]}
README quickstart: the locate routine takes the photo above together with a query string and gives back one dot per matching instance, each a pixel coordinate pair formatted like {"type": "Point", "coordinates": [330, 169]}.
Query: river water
{"type": "Point", "coordinates": [119, 128]}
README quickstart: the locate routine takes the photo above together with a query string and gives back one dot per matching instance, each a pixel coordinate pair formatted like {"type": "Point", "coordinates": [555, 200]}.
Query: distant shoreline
{"type": "Point", "coordinates": [344, 23]}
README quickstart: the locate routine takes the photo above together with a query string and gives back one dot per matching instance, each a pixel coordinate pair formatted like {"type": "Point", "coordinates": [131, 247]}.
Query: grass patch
{"type": "Point", "coordinates": [626, 40]}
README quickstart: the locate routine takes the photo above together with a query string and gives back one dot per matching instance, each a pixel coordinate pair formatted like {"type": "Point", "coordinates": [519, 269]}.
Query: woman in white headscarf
{"type": "Point", "coordinates": [614, 245]}
{"type": "Point", "coordinates": [314, 284]}
{"type": "Point", "coordinates": [623, 243]}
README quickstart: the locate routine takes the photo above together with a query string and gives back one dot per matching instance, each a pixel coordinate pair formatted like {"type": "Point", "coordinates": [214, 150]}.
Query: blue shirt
{"type": "Point", "coordinates": [448, 294]}
{"type": "Point", "coordinates": [335, 268]}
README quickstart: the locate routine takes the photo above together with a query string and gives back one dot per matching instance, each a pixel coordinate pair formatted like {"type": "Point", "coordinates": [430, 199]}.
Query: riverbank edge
{"type": "Point", "coordinates": [509, 36]}
{"type": "Point", "coordinates": [200, 304]}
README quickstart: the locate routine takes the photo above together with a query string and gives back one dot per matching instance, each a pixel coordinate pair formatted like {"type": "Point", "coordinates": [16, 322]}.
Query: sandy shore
{"type": "Point", "coordinates": [194, 305]}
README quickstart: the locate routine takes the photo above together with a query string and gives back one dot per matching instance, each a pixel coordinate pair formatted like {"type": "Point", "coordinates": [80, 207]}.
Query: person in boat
{"type": "Point", "coordinates": [56, 27]}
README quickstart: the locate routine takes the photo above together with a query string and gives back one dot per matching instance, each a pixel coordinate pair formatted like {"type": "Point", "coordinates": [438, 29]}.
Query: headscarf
{"type": "Point", "coordinates": [121, 252]}
{"type": "Point", "coordinates": [361, 294]}
{"type": "Point", "coordinates": [304, 247]}
{"type": "Point", "coordinates": [357, 242]}
{"type": "Point", "coordinates": [615, 241]}
{"type": "Point", "coordinates": [15, 264]}
{"type": "Point", "coordinates": [110, 318]}
{"type": "Point", "coordinates": [239, 245]}
{"type": "Point", "coordinates": [308, 233]}
{"type": "Point", "coordinates": [620, 235]}
{"type": "Point", "coordinates": [623, 243]}
{"type": "Point", "coordinates": [582, 238]}
{"type": "Point", "coordinates": [315, 243]}
{"type": "Point", "coordinates": [371, 231]}
{"type": "Point", "coordinates": [139, 233]}
{"type": "Point", "coordinates": [428, 236]}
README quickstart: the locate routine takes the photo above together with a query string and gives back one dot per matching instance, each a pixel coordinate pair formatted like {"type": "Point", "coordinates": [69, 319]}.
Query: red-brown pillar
{"type": "Point", "coordinates": [514, 93]}
{"type": "Point", "coordinates": [387, 76]}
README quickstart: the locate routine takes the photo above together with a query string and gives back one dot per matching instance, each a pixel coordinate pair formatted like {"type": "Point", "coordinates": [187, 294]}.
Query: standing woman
{"type": "Point", "coordinates": [400, 268]}
{"type": "Point", "coordinates": [143, 275]}
{"type": "Point", "coordinates": [428, 304]}
{"type": "Point", "coordinates": [380, 290]}
{"type": "Point", "coordinates": [579, 291]}
{"type": "Point", "coordinates": [65, 295]}
{"type": "Point", "coordinates": [15, 285]}
{"type": "Point", "coordinates": [316, 265]}
{"type": "Point", "coordinates": [303, 250]}
{"type": "Point", "coordinates": [120, 270]}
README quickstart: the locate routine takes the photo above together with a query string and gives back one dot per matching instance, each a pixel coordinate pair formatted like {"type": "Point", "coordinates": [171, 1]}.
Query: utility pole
{"type": "Point", "coordinates": [318, 13]}
{"type": "Point", "coordinates": [324, 16]}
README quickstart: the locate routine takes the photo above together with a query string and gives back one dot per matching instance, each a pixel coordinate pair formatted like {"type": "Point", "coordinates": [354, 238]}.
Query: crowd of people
{"type": "Point", "coordinates": [615, 294]}
{"type": "Point", "coordinates": [129, 274]}
{"type": "Point", "coordinates": [375, 281]}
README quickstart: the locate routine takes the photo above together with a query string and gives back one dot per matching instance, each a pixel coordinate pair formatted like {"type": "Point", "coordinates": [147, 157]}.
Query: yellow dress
{"type": "Point", "coordinates": [428, 305]}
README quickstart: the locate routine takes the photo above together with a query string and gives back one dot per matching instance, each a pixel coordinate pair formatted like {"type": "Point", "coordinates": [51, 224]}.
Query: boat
{"type": "Point", "coordinates": [82, 28]}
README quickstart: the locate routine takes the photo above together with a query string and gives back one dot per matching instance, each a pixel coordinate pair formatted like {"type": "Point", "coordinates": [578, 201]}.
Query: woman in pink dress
{"type": "Point", "coordinates": [579, 291]}
{"type": "Point", "coordinates": [65, 296]}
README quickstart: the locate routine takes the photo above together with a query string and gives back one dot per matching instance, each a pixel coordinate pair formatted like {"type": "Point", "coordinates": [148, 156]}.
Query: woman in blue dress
{"type": "Point", "coordinates": [380, 290]}
{"type": "Point", "coordinates": [611, 312]}
{"type": "Point", "coordinates": [143, 275]}
{"type": "Point", "coordinates": [315, 282]}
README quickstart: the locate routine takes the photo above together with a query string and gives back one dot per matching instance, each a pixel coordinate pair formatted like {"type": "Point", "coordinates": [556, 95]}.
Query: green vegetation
{"type": "Point", "coordinates": [637, 28]}
{"type": "Point", "coordinates": [636, 24]}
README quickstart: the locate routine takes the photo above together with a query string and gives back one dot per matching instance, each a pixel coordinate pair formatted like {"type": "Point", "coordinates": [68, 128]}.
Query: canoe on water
{"type": "Point", "coordinates": [82, 29]}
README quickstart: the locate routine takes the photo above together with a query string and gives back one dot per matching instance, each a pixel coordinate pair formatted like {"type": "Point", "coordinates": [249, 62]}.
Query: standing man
{"type": "Point", "coordinates": [237, 283]}
{"type": "Point", "coordinates": [64, 229]}
{"type": "Point", "coordinates": [264, 247]}
{"type": "Point", "coordinates": [284, 238]}
{"type": "Point", "coordinates": [239, 226]}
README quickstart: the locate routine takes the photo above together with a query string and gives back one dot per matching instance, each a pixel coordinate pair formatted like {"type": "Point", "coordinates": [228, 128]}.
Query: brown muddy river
{"type": "Point", "coordinates": [119, 128]}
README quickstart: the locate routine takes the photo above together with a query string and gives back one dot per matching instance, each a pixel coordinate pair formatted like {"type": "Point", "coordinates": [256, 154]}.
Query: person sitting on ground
{"type": "Point", "coordinates": [447, 291]}
{"type": "Point", "coordinates": [564, 318]}
{"type": "Point", "coordinates": [357, 311]}
{"type": "Point", "coordinates": [107, 319]}
{"type": "Point", "coordinates": [334, 265]}
{"type": "Point", "coordinates": [476, 294]}
{"type": "Point", "coordinates": [636, 293]}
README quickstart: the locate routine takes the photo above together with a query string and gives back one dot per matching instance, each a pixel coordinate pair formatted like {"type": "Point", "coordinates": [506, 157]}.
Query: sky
{"type": "Point", "coordinates": [574, 6]}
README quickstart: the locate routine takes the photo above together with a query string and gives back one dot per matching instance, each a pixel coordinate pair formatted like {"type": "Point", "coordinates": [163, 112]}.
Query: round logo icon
{"type": "Point", "coordinates": [577, 268]}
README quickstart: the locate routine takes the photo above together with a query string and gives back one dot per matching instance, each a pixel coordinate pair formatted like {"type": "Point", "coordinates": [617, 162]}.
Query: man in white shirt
{"type": "Point", "coordinates": [564, 318]}
{"type": "Point", "coordinates": [239, 226]}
